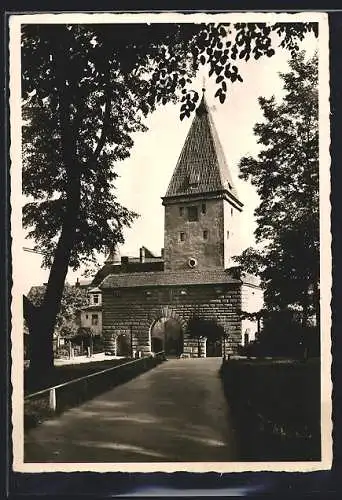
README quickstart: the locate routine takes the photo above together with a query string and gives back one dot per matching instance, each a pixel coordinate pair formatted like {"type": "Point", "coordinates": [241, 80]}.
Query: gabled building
{"type": "Point", "coordinates": [194, 277]}
{"type": "Point", "coordinates": [91, 314]}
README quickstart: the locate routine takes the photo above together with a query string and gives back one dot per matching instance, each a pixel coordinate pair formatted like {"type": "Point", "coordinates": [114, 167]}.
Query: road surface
{"type": "Point", "coordinates": [174, 413]}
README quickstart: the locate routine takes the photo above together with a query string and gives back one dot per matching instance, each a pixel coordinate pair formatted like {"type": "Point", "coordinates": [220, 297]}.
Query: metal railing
{"type": "Point", "coordinates": [87, 389]}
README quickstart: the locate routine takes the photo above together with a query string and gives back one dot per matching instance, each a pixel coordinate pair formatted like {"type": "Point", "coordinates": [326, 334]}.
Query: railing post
{"type": "Point", "coordinates": [52, 399]}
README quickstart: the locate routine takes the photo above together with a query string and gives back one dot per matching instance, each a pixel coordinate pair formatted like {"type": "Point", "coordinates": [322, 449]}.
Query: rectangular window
{"type": "Point", "coordinates": [231, 212]}
{"type": "Point", "coordinates": [96, 299]}
{"type": "Point", "coordinates": [205, 234]}
{"type": "Point", "coordinates": [182, 236]}
{"type": "Point", "coordinates": [204, 208]}
{"type": "Point", "coordinates": [94, 319]}
{"type": "Point", "coordinates": [227, 235]}
{"type": "Point", "coordinates": [192, 214]}
{"type": "Point", "coordinates": [181, 211]}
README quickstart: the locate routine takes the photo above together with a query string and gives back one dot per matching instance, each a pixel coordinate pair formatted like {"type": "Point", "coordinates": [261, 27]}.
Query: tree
{"type": "Point", "coordinates": [67, 319]}
{"type": "Point", "coordinates": [86, 89]}
{"type": "Point", "coordinates": [285, 174]}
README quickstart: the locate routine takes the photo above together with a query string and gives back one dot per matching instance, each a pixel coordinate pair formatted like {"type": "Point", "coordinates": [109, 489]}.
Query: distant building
{"type": "Point", "coordinates": [91, 315]}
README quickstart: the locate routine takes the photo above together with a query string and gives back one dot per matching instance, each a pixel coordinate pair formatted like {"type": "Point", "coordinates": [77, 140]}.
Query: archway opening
{"type": "Point", "coordinates": [206, 331]}
{"type": "Point", "coordinates": [167, 335]}
{"type": "Point", "coordinates": [123, 347]}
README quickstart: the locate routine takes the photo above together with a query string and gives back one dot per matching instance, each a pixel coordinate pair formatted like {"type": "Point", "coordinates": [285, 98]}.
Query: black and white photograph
{"type": "Point", "coordinates": [170, 224]}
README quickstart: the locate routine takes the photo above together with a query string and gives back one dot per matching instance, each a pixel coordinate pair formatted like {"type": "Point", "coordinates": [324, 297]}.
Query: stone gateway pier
{"type": "Point", "coordinates": [150, 302]}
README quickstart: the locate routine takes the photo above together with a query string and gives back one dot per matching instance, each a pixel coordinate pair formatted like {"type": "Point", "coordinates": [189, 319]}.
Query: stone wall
{"type": "Point", "coordinates": [136, 309]}
{"type": "Point", "coordinates": [231, 234]}
{"type": "Point", "coordinates": [209, 252]}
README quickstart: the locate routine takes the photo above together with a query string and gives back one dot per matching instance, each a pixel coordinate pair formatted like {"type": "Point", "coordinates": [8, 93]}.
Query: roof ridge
{"type": "Point", "coordinates": [219, 150]}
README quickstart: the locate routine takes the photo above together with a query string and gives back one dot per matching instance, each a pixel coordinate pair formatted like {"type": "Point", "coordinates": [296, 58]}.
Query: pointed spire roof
{"type": "Point", "coordinates": [202, 166]}
{"type": "Point", "coordinates": [114, 256]}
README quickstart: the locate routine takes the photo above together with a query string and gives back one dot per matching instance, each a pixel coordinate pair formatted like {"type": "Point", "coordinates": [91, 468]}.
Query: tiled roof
{"type": "Point", "coordinates": [148, 266]}
{"type": "Point", "coordinates": [201, 167]}
{"type": "Point", "coordinates": [160, 278]}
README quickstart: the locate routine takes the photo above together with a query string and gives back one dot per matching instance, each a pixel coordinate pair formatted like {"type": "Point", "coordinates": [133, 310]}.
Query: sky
{"type": "Point", "coordinates": [144, 177]}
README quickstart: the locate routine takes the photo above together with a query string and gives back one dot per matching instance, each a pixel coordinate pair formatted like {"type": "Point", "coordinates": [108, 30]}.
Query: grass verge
{"type": "Point", "coordinates": [37, 408]}
{"type": "Point", "coordinates": [64, 373]}
{"type": "Point", "coordinates": [275, 407]}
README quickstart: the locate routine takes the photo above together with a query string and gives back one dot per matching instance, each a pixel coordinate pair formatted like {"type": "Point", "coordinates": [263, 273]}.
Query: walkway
{"type": "Point", "coordinates": [175, 412]}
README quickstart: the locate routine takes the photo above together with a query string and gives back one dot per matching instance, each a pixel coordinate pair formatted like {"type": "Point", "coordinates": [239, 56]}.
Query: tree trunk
{"type": "Point", "coordinates": [40, 344]}
{"type": "Point", "coordinates": [305, 314]}
{"type": "Point", "coordinates": [42, 328]}
{"type": "Point", "coordinates": [316, 299]}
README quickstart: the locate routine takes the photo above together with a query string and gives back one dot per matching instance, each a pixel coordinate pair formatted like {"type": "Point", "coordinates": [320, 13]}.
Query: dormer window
{"type": "Point", "coordinates": [193, 179]}
{"type": "Point", "coordinates": [192, 214]}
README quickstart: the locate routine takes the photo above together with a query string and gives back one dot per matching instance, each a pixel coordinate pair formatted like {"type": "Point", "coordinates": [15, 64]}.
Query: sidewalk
{"type": "Point", "coordinates": [174, 413]}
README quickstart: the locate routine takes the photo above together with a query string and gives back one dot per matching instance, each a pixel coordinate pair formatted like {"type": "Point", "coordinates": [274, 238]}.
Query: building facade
{"type": "Point", "coordinates": [155, 302]}
{"type": "Point", "coordinates": [91, 314]}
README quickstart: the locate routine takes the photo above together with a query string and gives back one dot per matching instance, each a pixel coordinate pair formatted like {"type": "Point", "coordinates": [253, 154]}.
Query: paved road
{"type": "Point", "coordinates": [173, 413]}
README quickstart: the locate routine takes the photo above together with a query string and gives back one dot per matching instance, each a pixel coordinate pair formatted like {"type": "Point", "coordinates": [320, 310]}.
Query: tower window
{"type": "Point", "coordinates": [205, 234]}
{"type": "Point", "coordinates": [204, 208]}
{"type": "Point", "coordinates": [192, 214]}
{"type": "Point", "coordinates": [181, 211]}
{"type": "Point", "coordinates": [95, 299]}
{"type": "Point", "coordinates": [182, 236]}
{"type": "Point", "coordinates": [94, 319]}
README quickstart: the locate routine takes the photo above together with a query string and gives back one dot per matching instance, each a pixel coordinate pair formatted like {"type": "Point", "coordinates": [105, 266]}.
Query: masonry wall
{"type": "Point", "coordinates": [252, 300]}
{"type": "Point", "coordinates": [134, 310]}
{"type": "Point", "coordinates": [231, 233]}
{"type": "Point", "coordinates": [209, 253]}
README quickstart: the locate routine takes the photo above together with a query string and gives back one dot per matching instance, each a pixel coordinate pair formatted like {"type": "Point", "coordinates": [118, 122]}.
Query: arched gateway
{"type": "Point", "coordinates": [166, 334]}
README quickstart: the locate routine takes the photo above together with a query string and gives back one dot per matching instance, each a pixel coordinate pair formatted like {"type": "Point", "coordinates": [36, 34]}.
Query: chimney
{"type": "Point", "coordinates": [162, 253]}
{"type": "Point", "coordinates": [142, 254]}
{"type": "Point", "coordinates": [77, 282]}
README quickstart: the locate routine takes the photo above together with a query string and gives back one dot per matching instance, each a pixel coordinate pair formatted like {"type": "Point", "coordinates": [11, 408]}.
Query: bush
{"type": "Point", "coordinates": [275, 408]}
{"type": "Point", "coordinates": [282, 336]}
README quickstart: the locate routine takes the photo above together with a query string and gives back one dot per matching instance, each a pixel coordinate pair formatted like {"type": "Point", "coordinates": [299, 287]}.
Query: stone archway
{"type": "Point", "coordinates": [123, 347]}
{"type": "Point", "coordinates": [166, 334]}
